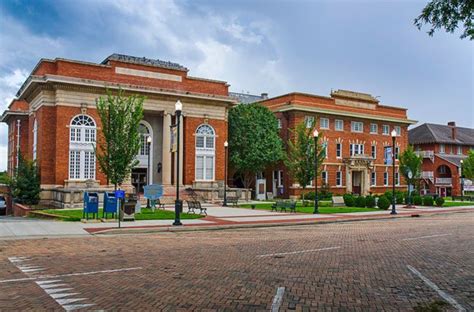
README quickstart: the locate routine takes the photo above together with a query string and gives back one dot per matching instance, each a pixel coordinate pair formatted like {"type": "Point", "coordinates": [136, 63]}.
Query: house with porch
{"type": "Point", "coordinates": [443, 147]}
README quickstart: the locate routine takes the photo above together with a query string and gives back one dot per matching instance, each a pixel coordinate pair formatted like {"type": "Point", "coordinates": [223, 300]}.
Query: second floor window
{"type": "Point", "coordinates": [459, 150]}
{"type": "Point", "coordinates": [357, 126]}
{"type": "Point", "coordinates": [356, 149]}
{"type": "Point", "coordinates": [442, 148]}
{"type": "Point", "coordinates": [338, 150]}
{"type": "Point", "coordinates": [374, 151]}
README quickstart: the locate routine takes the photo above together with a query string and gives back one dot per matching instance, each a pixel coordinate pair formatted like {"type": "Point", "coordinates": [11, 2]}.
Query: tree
{"type": "Point", "coordinates": [300, 159]}
{"type": "Point", "coordinates": [448, 14]}
{"type": "Point", "coordinates": [468, 166]}
{"type": "Point", "coordinates": [25, 184]}
{"type": "Point", "coordinates": [410, 161]}
{"type": "Point", "coordinates": [119, 140]}
{"type": "Point", "coordinates": [254, 142]}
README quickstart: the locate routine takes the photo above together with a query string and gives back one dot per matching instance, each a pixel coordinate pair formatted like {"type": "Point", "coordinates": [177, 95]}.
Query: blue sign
{"type": "Point", "coordinates": [388, 155]}
{"type": "Point", "coordinates": [119, 194]}
{"type": "Point", "coordinates": [153, 191]}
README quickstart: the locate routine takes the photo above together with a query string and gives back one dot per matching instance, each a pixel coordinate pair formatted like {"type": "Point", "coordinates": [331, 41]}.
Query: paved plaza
{"type": "Point", "coordinates": [378, 265]}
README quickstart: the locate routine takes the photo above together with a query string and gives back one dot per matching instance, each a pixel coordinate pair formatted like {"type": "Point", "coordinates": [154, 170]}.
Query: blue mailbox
{"type": "Point", "coordinates": [91, 204]}
{"type": "Point", "coordinates": [110, 204]}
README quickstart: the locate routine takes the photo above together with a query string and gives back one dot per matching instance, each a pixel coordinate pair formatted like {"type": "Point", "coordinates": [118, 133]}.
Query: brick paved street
{"type": "Point", "coordinates": [356, 266]}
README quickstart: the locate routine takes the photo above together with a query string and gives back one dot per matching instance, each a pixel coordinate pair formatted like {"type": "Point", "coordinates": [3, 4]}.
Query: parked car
{"type": "Point", "coordinates": [3, 205]}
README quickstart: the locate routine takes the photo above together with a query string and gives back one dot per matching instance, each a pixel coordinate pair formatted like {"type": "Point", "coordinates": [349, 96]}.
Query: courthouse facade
{"type": "Point", "coordinates": [55, 122]}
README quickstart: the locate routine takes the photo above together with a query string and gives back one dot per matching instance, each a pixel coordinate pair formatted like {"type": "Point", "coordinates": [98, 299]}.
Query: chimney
{"type": "Point", "coordinates": [452, 125]}
{"type": "Point", "coordinates": [264, 96]}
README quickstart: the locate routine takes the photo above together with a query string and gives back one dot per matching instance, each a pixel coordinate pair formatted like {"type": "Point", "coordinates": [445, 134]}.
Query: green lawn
{"type": "Point", "coordinates": [309, 209]}
{"type": "Point", "coordinates": [146, 214]}
{"type": "Point", "coordinates": [457, 203]}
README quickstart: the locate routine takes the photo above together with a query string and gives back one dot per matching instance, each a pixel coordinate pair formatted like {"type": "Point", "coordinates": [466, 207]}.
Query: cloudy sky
{"type": "Point", "coordinates": [257, 46]}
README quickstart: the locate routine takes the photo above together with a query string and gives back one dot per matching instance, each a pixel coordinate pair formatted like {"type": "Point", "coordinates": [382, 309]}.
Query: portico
{"type": "Point", "coordinates": [358, 169]}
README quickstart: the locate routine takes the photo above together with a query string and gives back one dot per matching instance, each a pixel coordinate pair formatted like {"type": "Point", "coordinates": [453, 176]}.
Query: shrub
{"type": "Point", "coordinates": [417, 200]}
{"type": "Point", "coordinates": [349, 200]}
{"type": "Point", "coordinates": [308, 196]}
{"type": "Point", "coordinates": [360, 201]}
{"type": "Point", "coordinates": [428, 201]}
{"type": "Point", "coordinates": [383, 203]}
{"type": "Point", "coordinates": [399, 197]}
{"type": "Point", "coordinates": [439, 201]}
{"type": "Point", "coordinates": [370, 201]}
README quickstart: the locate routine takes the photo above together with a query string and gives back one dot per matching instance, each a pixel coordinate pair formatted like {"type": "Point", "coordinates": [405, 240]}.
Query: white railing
{"type": "Point", "coordinates": [427, 174]}
{"type": "Point", "coordinates": [425, 154]}
{"type": "Point", "coordinates": [444, 181]}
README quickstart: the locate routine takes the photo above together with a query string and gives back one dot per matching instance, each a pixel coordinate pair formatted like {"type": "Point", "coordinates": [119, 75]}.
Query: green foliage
{"type": "Point", "coordinates": [428, 201]}
{"type": "Point", "coordinates": [360, 201]}
{"type": "Point", "coordinates": [400, 197]}
{"type": "Point", "coordinates": [468, 166]}
{"type": "Point", "coordinates": [323, 194]}
{"type": "Point", "coordinates": [254, 141]}
{"type": "Point", "coordinates": [439, 201]}
{"type": "Point", "coordinates": [300, 159]}
{"type": "Point", "coordinates": [383, 203]}
{"type": "Point", "coordinates": [25, 185]}
{"type": "Point", "coordinates": [448, 14]}
{"type": "Point", "coordinates": [4, 178]}
{"type": "Point", "coordinates": [349, 200]}
{"type": "Point", "coordinates": [417, 200]}
{"type": "Point", "coordinates": [119, 140]}
{"type": "Point", "coordinates": [370, 201]}
{"type": "Point", "coordinates": [409, 161]}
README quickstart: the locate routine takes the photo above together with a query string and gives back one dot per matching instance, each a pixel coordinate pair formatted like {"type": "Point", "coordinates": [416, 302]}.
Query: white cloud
{"type": "Point", "coordinates": [9, 85]}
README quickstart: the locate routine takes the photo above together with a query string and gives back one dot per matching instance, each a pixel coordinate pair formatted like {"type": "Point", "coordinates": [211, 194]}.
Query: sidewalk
{"type": "Point", "coordinates": [218, 218]}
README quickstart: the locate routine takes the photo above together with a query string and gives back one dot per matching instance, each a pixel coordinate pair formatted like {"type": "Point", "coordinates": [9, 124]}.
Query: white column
{"type": "Point", "coordinates": [348, 180]}
{"type": "Point", "coordinates": [166, 153]}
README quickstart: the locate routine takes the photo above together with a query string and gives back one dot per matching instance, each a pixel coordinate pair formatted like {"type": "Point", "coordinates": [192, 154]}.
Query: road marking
{"type": "Point", "coordinates": [277, 300]}
{"type": "Point", "coordinates": [442, 294]}
{"type": "Point", "coordinates": [297, 252]}
{"type": "Point", "coordinates": [58, 294]}
{"type": "Point", "coordinates": [67, 274]}
{"type": "Point", "coordinates": [428, 236]}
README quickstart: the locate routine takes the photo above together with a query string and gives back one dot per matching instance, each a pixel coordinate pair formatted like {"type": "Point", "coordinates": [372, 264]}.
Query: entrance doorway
{"type": "Point", "coordinates": [356, 182]}
{"type": "Point", "coordinates": [139, 179]}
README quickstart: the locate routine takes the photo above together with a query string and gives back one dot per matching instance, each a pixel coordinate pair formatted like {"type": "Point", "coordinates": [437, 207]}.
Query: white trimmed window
{"type": "Point", "coordinates": [397, 178]}
{"type": "Point", "coordinates": [398, 130]}
{"type": "Point", "coordinates": [357, 126]}
{"type": "Point", "coordinates": [339, 125]}
{"type": "Point", "coordinates": [373, 178]}
{"type": "Point", "coordinates": [459, 150]}
{"type": "Point", "coordinates": [385, 129]}
{"type": "Point", "coordinates": [373, 128]}
{"type": "Point", "coordinates": [279, 123]}
{"type": "Point", "coordinates": [324, 177]}
{"type": "Point", "coordinates": [442, 148]}
{"type": "Point", "coordinates": [35, 138]}
{"type": "Point", "coordinates": [144, 134]}
{"type": "Point", "coordinates": [356, 149]}
{"type": "Point", "coordinates": [338, 150]}
{"type": "Point", "coordinates": [385, 178]}
{"type": "Point", "coordinates": [324, 123]}
{"type": "Point", "coordinates": [309, 121]}
{"type": "Point", "coordinates": [205, 153]}
{"type": "Point", "coordinates": [338, 178]}
{"type": "Point", "coordinates": [82, 136]}
{"type": "Point", "coordinates": [374, 151]}
{"type": "Point", "coordinates": [325, 149]}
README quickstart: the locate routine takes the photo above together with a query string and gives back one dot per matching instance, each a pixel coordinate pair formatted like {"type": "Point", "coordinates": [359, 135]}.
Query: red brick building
{"type": "Point", "coordinates": [442, 148]}
{"type": "Point", "coordinates": [356, 134]}
{"type": "Point", "coordinates": [54, 121]}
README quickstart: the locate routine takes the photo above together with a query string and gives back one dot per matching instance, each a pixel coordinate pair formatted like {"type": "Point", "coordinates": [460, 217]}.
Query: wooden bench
{"type": "Point", "coordinates": [234, 200]}
{"type": "Point", "coordinates": [159, 204]}
{"type": "Point", "coordinates": [284, 205]}
{"type": "Point", "coordinates": [337, 201]}
{"type": "Point", "coordinates": [193, 205]}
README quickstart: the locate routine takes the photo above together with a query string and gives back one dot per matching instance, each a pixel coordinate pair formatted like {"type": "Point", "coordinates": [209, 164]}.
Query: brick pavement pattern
{"type": "Point", "coordinates": [362, 266]}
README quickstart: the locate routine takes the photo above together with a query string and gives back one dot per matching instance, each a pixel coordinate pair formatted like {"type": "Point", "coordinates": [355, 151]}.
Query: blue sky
{"type": "Point", "coordinates": [257, 46]}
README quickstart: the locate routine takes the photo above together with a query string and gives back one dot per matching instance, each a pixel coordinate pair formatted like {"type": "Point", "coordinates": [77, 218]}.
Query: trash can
{"type": "Point", "coordinates": [128, 213]}
{"type": "Point", "coordinates": [91, 205]}
{"type": "Point", "coordinates": [110, 204]}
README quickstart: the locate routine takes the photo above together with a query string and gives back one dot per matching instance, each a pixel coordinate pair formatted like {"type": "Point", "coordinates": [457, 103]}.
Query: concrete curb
{"type": "Point", "coordinates": [172, 229]}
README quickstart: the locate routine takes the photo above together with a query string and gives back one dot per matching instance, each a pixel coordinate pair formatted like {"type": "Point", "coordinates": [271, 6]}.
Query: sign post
{"type": "Point", "coordinates": [120, 195]}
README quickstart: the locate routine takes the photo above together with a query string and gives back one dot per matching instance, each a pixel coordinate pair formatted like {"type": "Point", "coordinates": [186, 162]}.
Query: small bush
{"type": "Point", "coordinates": [439, 201]}
{"type": "Point", "coordinates": [428, 201]}
{"type": "Point", "coordinates": [308, 196]}
{"type": "Point", "coordinates": [349, 200]}
{"type": "Point", "coordinates": [370, 201]}
{"type": "Point", "coordinates": [417, 200]}
{"type": "Point", "coordinates": [360, 201]}
{"type": "Point", "coordinates": [383, 203]}
{"type": "Point", "coordinates": [399, 197]}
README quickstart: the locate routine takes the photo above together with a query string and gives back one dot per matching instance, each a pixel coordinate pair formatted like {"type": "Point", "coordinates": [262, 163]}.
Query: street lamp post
{"type": "Point", "coordinates": [462, 181]}
{"type": "Point", "coordinates": [226, 146]}
{"type": "Point", "coordinates": [148, 170]}
{"type": "Point", "coordinates": [394, 134]}
{"type": "Point", "coordinates": [178, 206]}
{"type": "Point", "coordinates": [316, 135]}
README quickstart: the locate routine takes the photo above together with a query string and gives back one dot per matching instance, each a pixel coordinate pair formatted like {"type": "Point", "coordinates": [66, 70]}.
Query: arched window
{"type": "Point", "coordinates": [144, 134]}
{"type": "Point", "coordinates": [82, 136]}
{"type": "Point", "coordinates": [205, 153]}
{"type": "Point", "coordinates": [35, 138]}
